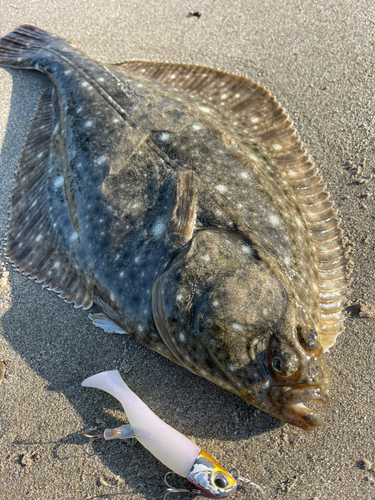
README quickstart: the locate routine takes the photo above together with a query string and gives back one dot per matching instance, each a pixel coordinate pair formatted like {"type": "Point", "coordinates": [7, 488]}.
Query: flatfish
{"type": "Point", "coordinates": [180, 201]}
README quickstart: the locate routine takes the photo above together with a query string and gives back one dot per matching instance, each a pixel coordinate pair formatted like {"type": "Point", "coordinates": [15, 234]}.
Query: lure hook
{"type": "Point", "coordinates": [92, 438]}
{"type": "Point", "coordinates": [235, 473]}
{"type": "Point", "coordinates": [172, 489]}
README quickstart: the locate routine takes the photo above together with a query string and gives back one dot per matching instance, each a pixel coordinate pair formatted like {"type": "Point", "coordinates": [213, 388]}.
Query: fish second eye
{"type": "Point", "coordinates": [308, 337]}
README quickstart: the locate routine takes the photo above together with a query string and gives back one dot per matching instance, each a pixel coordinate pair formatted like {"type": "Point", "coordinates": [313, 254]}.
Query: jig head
{"type": "Point", "coordinates": [209, 479]}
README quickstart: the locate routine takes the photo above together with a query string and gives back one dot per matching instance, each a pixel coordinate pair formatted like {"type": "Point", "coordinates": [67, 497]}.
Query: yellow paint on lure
{"type": "Point", "coordinates": [168, 445]}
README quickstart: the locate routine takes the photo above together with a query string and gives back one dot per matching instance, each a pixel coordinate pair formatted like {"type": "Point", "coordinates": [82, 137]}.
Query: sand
{"type": "Point", "coordinates": [317, 58]}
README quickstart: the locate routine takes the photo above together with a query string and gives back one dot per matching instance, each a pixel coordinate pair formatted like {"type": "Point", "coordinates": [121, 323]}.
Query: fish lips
{"type": "Point", "coordinates": [290, 402]}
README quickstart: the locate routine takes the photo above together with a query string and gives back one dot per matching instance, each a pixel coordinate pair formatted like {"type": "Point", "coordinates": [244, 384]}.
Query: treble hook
{"type": "Point", "coordinates": [235, 473]}
{"type": "Point", "coordinates": [92, 439]}
{"type": "Point", "coordinates": [172, 489]}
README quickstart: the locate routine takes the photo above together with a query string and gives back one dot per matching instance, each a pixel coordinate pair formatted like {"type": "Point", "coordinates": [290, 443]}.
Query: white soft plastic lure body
{"type": "Point", "coordinates": [169, 446]}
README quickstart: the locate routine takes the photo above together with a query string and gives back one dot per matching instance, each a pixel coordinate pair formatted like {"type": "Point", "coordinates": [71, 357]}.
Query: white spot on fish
{"type": "Point", "coordinates": [244, 175]}
{"type": "Point", "coordinates": [67, 72]}
{"type": "Point", "coordinates": [237, 326]}
{"type": "Point", "coordinates": [88, 124]}
{"type": "Point", "coordinates": [274, 220]}
{"type": "Point", "coordinates": [56, 129]}
{"type": "Point", "coordinates": [115, 120]}
{"type": "Point", "coordinates": [85, 84]}
{"type": "Point", "coordinates": [140, 328]}
{"type": "Point", "coordinates": [206, 258]}
{"type": "Point", "coordinates": [277, 147]}
{"type": "Point", "coordinates": [221, 188]}
{"type": "Point", "coordinates": [137, 259]}
{"type": "Point", "coordinates": [164, 136]}
{"type": "Point", "coordinates": [215, 303]}
{"type": "Point", "coordinates": [73, 237]}
{"type": "Point", "coordinates": [100, 160]}
{"type": "Point", "coordinates": [254, 119]}
{"type": "Point", "coordinates": [196, 127]}
{"type": "Point", "coordinates": [179, 297]}
{"type": "Point", "coordinates": [231, 367]}
{"type": "Point", "coordinates": [205, 109]}
{"type": "Point", "coordinates": [159, 227]}
{"type": "Point", "coordinates": [39, 237]}
{"type": "Point", "coordinates": [40, 155]}
{"type": "Point", "coordinates": [59, 181]}
{"type": "Point", "coordinates": [101, 79]}
{"type": "Point", "coordinates": [182, 337]}
{"type": "Point", "coordinates": [246, 249]}
{"type": "Point", "coordinates": [223, 96]}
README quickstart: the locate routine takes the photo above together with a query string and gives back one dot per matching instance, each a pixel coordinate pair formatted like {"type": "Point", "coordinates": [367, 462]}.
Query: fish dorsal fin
{"type": "Point", "coordinates": [33, 245]}
{"type": "Point", "coordinates": [254, 109]}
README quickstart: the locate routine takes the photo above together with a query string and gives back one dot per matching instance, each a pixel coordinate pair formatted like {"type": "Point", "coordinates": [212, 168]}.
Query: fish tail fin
{"type": "Point", "coordinates": [18, 48]}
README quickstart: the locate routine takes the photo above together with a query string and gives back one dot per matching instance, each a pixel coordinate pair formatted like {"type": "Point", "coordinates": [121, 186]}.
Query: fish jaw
{"type": "Point", "coordinates": [291, 404]}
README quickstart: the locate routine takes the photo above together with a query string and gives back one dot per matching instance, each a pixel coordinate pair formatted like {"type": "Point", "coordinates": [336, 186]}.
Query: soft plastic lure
{"type": "Point", "coordinates": [169, 446]}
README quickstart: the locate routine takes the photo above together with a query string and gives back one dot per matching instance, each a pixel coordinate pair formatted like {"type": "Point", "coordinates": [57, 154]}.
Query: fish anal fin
{"type": "Point", "coordinates": [33, 245]}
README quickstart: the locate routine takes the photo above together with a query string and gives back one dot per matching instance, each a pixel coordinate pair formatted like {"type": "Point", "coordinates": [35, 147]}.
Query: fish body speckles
{"type": "Point", "coordinates": [179, 200]}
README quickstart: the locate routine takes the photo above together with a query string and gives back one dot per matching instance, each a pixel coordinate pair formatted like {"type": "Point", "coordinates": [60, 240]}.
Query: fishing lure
{"type": "Point", "coordinates": [168, 445]}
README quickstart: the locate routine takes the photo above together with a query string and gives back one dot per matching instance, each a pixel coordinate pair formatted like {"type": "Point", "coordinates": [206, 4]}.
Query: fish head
{"type": "Point", "coordinates": [296, 365]}
{"type": "Point", "coordinates": [210, 477]}
{"type": "Point", "coordinates": [225, 315]}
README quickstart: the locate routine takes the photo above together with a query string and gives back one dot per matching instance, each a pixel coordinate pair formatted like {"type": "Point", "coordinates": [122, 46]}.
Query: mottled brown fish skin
{"type": "Point", "coordinates": [157, 205]}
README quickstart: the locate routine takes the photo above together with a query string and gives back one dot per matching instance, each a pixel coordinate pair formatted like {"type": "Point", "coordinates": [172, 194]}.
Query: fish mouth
{"type": "Point", "coordinates": [291, 403]}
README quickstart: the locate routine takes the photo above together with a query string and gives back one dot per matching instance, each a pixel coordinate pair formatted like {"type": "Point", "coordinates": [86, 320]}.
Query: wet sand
{"type": "Point", "coordinates": [317, 58]}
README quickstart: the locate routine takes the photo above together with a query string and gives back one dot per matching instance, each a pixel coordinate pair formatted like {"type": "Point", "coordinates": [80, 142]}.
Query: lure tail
{"type": "Point", "coordinates": [166, 444]}
{"type": "Point", "coordinates": [23, 47]}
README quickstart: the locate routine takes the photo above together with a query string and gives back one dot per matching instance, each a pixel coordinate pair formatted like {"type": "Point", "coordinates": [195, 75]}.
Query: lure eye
{"type": "Point", "coordinates": [284, 362]}
{"type": "Point", "coordinates": [308, 338]}
{"type": "Point", "coordinates": [220, 481]}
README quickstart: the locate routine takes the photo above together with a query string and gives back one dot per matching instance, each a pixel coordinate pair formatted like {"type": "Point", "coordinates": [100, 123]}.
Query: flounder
{"type": "Point", "coordinates": [181, 202]}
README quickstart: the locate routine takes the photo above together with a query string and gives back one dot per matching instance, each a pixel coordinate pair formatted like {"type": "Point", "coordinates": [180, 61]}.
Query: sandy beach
{"type": "Point", "coordinates": [317, 59]}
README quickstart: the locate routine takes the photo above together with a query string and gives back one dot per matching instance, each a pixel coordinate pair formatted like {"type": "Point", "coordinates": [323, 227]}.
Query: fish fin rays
{"type": "Point", "coordinates": [33, 245]}
{"type": "Point", "coordinates": [102, 321]}
{"type": "Point", "coordinates": [182, 223]}
{"type": "Point", "coordinates": [18, 47]}
{"type": "Point", "coordinates": [254, 109]}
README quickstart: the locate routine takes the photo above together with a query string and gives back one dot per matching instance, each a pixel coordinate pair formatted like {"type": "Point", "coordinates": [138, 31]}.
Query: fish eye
{"type": "Point", "coordinates": [276, 365]}
{"type": "Point", "coordinates": [313, 332]}
{"type": "Point", "coordinates": [284, 362]}
{"type": "Point", "coordinates": [220, 481]}
{"type": "Point", "coordinates": [308, 337]}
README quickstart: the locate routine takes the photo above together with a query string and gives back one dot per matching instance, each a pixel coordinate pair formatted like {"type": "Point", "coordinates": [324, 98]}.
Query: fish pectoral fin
{"type": "Point", "coordinates": [182, 223]}
{"type": "Point", "coordinates": [102, 321]}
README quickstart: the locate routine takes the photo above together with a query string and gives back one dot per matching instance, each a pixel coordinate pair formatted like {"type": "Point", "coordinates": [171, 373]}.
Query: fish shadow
{"type": "Point", "coordinates": [62, 346]}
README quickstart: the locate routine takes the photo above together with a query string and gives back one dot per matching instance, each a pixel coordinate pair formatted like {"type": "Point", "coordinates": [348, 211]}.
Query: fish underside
{"type": "Point", "coordinates": [180, 201]}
